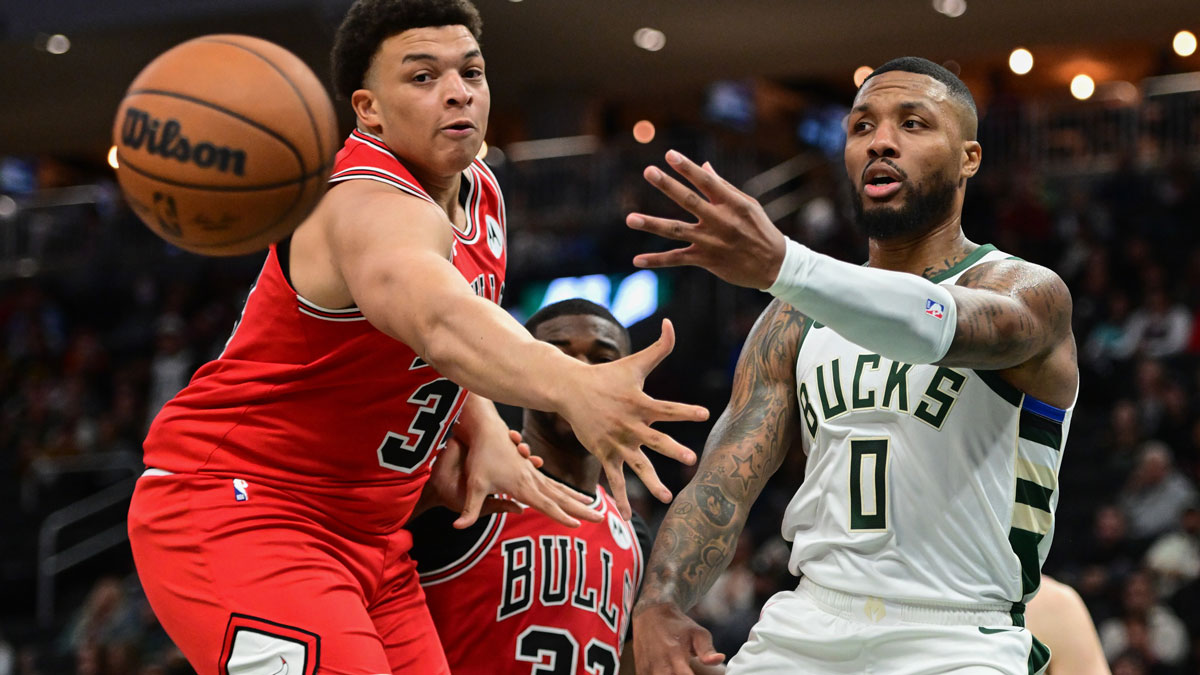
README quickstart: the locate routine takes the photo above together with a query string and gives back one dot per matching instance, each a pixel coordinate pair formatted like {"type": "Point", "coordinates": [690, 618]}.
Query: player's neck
{"type": "Point", "coordinates": [927, 253]}
{"type": "Point", "coordinates": [444, 190]}
{"type": "Point", "coordinates": [573, 466]}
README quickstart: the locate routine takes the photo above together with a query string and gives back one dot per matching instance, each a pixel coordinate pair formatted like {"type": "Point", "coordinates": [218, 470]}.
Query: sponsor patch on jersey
{"type": "Point", "coordinates": [239, 490]}
{"type": "Point", "coordinates": [935, 309]}
{"type": "Point", "coordinates": [620, 533]}
{"type": "Point", "coordinates": [495, 236]}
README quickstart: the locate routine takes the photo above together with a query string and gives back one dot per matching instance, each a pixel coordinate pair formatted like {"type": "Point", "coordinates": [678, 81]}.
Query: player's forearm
{"type": "Point", "coordinates": [695, 543]}
{"type": "Point", "coordinates": [478, 345]}
{"type": "Point", "coordinates": [898, 315]}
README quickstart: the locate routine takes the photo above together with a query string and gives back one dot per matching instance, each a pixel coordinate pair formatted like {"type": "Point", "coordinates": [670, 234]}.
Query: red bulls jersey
{"type": "Point", "coordinates": [316, 399]}
{"type": "Point", "coordinates": [518, 591]}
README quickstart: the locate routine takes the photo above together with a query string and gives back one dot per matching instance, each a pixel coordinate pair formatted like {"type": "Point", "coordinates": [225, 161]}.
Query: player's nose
{"type": "Point", "coordinates": [456, 91]}
{"type": "Point", "coordinates": [883, 142]}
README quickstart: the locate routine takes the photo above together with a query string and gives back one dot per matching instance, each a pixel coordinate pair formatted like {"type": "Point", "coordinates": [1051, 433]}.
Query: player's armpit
{"type": "Point", "coordinates": [746, 446]}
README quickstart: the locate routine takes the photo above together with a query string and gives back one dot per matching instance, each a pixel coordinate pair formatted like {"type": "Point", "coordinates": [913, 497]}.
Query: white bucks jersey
{"type": "Point", "coordinates": [924, 483]}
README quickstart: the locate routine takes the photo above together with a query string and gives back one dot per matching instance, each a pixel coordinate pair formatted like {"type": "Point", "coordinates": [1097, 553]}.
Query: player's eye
{"type": "Point", "coordinates": [913, 124]}
{"type": "Point", "coordinates": [422, 77]}
{"type": "Point", "coordinates": [473, 73]}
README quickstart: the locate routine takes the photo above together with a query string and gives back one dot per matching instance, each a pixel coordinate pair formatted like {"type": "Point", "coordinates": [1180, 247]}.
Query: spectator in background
{"type": "Point", "coordinates": [1121, 442]}
{"type": "Point", "coordinates": [1108, 559]}
{"type": "Point", "coordinates": [1149, 629]}
{"type": "Point", "coordinates": [1174, 558]}
{"type": "Point", "coordinates": [1106, 340]}
{"type": "Point", "coordinates": [106, 617]}
{"type": "Point", "coordinates": [172, 366]}
{"type": "Point", "coordinates": [1157, 328]}
{"type": "Point", "coordinates": [1156, 494]}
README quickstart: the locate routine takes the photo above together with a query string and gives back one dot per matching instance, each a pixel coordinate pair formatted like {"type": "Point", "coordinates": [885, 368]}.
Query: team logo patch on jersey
{"type": "Point", "coordinates": [495, 236]}
{"type": "Point", "coordinates": [620, 533]}
{"type": "Point", "coordinates": [239, 490]}
{"type": "Point", "coordinates": [935, 309]}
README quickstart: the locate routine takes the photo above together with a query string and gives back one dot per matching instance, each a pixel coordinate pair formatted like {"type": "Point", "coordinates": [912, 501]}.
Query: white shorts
{"type": "Point", "coordinates": [821, 631]}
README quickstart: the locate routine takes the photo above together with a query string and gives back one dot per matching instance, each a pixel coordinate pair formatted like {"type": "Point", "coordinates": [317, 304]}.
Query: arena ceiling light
{"type": "Point", "coordinates": [951, 8]}
{"type": "Point", "coordinates": [643, 131]}
{"type": "Point", "coordinates": [650, 39]}
{"type": "Point", "coordinates": [1020, 61]}
{"type": "Point", "coordinates": [1184, 43]}
{"type": "Point", "coordinates": [861, 74]}
{"type": "Point", "coordinates": [1082, 87]}
{"type": "Point", "coordinates": [54, 44]}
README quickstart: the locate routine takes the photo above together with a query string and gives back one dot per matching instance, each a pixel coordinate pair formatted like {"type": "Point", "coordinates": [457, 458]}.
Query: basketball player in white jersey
{"type": "Point", "coordinates": [931, 391]}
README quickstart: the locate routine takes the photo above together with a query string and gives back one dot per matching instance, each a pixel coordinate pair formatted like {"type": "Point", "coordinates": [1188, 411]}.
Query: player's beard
{"type": "Point", "coordinates": [924, 208]}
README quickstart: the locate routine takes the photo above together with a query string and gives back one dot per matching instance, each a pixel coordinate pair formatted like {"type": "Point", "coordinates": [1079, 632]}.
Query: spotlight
{"type": "Point", "coordinates": [1082, 87]}
{"type": "Point", "coordinates": [860, 75]}
{"type": "Point", "coordinates": [649, 39]}
{"type": "Point", "coordinates": [643, 131]}
{"type": "Point", "coordinates": [1020, 61]}
{"type": "Point", "coordinates": [1184, 43]}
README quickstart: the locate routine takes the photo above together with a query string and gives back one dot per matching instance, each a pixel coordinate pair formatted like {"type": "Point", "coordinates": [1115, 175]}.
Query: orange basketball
{"type": "Point", "coordinates": [224, 144]}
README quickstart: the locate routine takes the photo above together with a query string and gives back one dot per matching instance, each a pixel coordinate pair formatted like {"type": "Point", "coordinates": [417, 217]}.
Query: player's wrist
{"type": "Point", "coordinates": [794, 267]}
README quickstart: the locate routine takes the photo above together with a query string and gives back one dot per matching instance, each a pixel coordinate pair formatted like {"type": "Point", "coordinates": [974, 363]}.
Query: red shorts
{"type": "Point", "coordinates": [272, 585]}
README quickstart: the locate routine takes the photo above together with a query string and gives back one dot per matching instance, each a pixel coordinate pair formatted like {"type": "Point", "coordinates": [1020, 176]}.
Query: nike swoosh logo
{"type": "Point", "coordinates": [993, 631]}
{"type": "Point", "coordinates": [284, 669]}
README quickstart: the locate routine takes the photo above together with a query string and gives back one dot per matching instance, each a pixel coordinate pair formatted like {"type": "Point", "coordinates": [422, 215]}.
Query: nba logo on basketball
{"type": "Point", "coordinates": [935, 309]}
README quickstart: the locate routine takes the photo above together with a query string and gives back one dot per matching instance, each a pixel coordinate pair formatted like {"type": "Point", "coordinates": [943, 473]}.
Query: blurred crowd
{"type": "Point", "coordinates": [91, 351]}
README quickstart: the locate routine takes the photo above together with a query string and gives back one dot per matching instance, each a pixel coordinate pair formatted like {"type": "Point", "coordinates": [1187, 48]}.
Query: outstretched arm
{"type": "Point", "coordinates": [1000, 315]}
{"type": "Point", "coordinates": [392, 251]}
{"type": "Point", "coordinates": [698, 536]}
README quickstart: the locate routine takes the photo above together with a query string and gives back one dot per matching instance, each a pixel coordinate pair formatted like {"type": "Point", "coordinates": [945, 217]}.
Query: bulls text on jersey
{"type": "Point", "coordinates": [554, 570]}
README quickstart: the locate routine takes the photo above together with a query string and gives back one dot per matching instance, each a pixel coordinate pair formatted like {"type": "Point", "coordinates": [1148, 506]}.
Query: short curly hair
{"type": "Point", "coordinates": [369, 22]}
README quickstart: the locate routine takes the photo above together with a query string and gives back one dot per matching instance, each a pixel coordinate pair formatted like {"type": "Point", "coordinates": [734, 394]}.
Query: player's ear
{"type": "Point", "coordinates": [972, 156]}
{"type": "Point", "coordinates": [365, 108]}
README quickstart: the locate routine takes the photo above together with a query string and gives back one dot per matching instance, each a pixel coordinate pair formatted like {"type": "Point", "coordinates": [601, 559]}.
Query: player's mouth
{"type": "Point", "coordinates": [881, 180]}
{"type": "Point", "coordinates": [459, 128]}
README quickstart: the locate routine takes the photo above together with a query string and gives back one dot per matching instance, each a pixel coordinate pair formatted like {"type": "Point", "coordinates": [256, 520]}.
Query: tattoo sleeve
{"type": "Point", "coordinates": [1008, 313]}
{"type": "Point", "coordinates": [746, 446]}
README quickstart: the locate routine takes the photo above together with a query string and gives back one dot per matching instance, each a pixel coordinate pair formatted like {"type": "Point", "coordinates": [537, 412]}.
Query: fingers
{"type": "Point", "coordinates": [649, 358]}
{"type": "Point", "coordinates": [640, 464]}
{"type": "Point", "coordinates": [543, 494]}
{"type": "Point", "coordinates": [471, 507]}
{"type": "Point", "coordinates": [616, 483]}
{"type": "Point", "coordinates": [664, 227]}
{"type": "Point", "coordinates": [668, 447]}
{"type": "Point", "coordinates": [702, 647]}
{"type": "Point", "coordinates": [670, 411]}
{"type": "Point", "coordinates": [678, 192]}
{"type": "Point", "coordinates": [674, 258]}
{"type": "Point", "coordinates": [705, 179]}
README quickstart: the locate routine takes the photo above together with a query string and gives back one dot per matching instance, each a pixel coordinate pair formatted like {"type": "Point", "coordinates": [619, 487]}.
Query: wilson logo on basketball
{"type": "Point", "coordinates": [167, 140]}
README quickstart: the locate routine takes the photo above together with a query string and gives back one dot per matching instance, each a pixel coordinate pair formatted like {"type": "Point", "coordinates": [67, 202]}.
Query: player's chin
{"type": "Point", "coordinates": [458, 155]}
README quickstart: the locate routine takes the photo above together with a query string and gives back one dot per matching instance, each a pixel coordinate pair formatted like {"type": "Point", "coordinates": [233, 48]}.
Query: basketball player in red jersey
{"type": "Point", "coordinates": [267, 529]}
{"type": "Point", "coordinates": [520, 589]}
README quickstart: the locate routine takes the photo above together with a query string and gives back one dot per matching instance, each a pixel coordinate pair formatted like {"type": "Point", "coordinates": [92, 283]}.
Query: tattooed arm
{"type": "Point", "coordinates": [1015, 317]}
{"type": "Point", "coordinates": [700, 532]}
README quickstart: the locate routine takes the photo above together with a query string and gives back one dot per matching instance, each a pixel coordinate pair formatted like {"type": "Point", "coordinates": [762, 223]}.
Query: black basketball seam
{"type": "Point", "coordinates": [238, 116]}
{"type": "Point", "coordinates": [301, 181]}
{"type": "Point", "coordinates": [123, 161]}
{"type": "Point", "coordinates": [304, 102]}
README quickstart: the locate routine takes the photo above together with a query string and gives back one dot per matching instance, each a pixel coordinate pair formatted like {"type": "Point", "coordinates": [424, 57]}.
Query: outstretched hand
{"type": "Point", "coordinates": [612, 420]}
{"type": "Point", "coordinates": [733, 238]}
{"type": "Point", "coordinates": [668, 642]}
{"type": "Point", "coordinates": [500, 476]}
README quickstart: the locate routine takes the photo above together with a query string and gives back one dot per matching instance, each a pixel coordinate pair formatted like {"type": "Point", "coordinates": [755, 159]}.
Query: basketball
{"type": "Point", "coordinates": [224, 144]}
